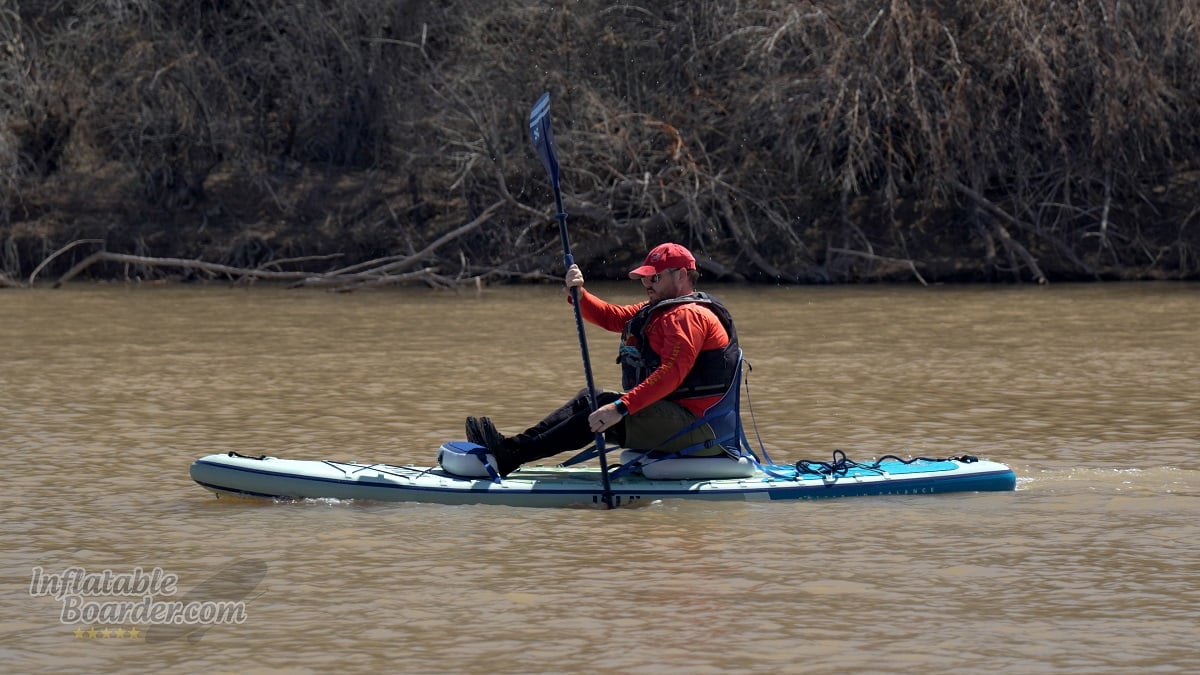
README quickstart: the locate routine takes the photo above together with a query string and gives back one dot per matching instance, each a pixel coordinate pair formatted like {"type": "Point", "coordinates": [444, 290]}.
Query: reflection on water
{"type": "Point", "coordinates": [1089, 392]}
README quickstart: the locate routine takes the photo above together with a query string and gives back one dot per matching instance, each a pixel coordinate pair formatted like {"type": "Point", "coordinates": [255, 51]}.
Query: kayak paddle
{"type": "Point", "coordinates": [543, 142]}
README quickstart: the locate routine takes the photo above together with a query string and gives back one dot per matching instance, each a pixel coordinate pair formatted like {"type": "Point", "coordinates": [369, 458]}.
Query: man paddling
{"type": "Point", "coordinates": [678, 356]}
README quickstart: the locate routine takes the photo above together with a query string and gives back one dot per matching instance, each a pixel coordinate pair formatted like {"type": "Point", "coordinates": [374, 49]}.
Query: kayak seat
{"type": "Point", "coordinates": [664, 466]}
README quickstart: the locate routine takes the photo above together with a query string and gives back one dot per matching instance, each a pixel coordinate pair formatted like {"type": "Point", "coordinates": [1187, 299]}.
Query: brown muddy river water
{"type": "Point", "coordinates": [1091, 393]}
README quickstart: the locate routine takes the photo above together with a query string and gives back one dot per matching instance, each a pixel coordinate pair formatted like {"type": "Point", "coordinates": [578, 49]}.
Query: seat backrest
{"type": "Point", "coordinates": [725, 416]}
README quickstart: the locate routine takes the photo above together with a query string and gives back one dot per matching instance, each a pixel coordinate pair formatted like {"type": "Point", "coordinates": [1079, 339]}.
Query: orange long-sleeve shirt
{"type": "Point", "coordinates": [676, 334]}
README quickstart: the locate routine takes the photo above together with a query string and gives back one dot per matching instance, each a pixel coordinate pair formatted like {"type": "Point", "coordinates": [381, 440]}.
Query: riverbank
{"type": "Point", "coordinates": [913, 143]}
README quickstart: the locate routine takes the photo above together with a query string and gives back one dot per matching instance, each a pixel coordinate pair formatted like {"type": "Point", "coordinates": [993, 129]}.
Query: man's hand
{"type": "Point", "coordinates": [574, 278]}
{"type": "Point", "coordinates": [604, 417]}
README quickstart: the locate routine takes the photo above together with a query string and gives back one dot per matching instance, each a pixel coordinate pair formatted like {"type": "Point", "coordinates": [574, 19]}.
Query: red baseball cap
{"type": "Point", "coordinates": [664, 257]}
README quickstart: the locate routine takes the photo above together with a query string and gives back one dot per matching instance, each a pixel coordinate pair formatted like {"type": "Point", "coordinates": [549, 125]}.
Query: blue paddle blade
{"type": "Point", "coordinates": [543, 136]}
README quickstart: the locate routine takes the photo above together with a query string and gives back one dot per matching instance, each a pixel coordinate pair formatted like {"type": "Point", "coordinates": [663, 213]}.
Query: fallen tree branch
{"type": "Point", "coordinates": [371, 273]}
{"type": "Point", "coordinates": [880, 258]}
{"type": "Point", "coordinates": [52, 256]}
{"type": "Point", "coordinates": [429, 275]}
{"type": "Point", "coordinates": [304, 258]}
{"type": "Point", "coordinates": [1015, 247]}
{"type": "Point", "coordinates": [374, 268]}
{"type": "Point", "coordinates": [182, 263]}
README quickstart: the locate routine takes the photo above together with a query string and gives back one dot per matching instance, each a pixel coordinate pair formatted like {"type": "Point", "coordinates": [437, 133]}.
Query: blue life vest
{"type": "Point", "coordinates": [714, 369]}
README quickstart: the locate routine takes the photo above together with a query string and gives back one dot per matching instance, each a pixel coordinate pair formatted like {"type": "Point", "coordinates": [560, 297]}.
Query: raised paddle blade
{"type": "Point", "coordinates": [543, 136]}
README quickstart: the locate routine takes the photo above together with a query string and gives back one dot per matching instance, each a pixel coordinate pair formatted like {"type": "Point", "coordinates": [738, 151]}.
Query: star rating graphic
{"type": "Point", "coordinates": [105, 633]}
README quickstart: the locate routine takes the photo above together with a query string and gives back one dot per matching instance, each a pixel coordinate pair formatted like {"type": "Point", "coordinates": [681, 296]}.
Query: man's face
{"type": "Point", "coordinates": [663, 285]}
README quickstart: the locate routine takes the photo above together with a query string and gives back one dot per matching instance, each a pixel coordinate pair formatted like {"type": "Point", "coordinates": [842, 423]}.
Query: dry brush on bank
{"type": "Point", "coordinates": [783, 141]}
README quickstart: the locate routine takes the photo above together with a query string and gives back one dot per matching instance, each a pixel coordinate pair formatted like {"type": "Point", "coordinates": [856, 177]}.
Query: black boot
{"type": "Point", "coordinates": [507, 457]}
{"type": "Point", "coordinates": [475, 432]}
